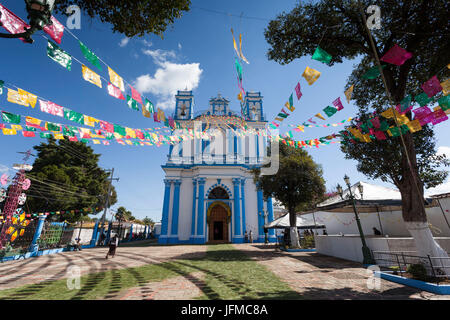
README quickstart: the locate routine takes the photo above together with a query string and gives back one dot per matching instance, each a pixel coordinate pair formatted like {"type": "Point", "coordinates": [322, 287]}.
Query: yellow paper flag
{"type": "Point", "coordinates": [9, 132]}
{"type": "Point", "coordinates": [16, 97]}
{"type": "Point", "coordinates": [128, 142]}
{"type": "Point", "coordinates": [91, 76]}
{"type": "Point", "coordinates": [31, 98]}
{"type": "Point", "coordinates": [90, 121]}
{"type": "Point", "coordinates": [16, 127]}
{"type": "Point", "coordinates": [401, 118]}
{"type": "Point", "coordinates": [320, 116]}
{"type": "Point", "coordinates": [310, 75]}
{"type": "Point", "coordinates": [116, 79]}
{"type": "Point", "coordinates": [95, 141]}
{"type": "Point", "coordinates": [446, 87]}
{"type": "Point", "coordinates": [130, 132]}
{"type": "Point", "coordinates": [58, 136]}
{"type": "Point", "coordinates": [240, 49]}
{"type": "Point", "coordinates": [414, 126]}
{"type": "Point", "coordinates": [161, 116]}
{"type": "Point", "coordinates": [234, 44]}
{"type": "Point", "coordinates": [348, 93]}
{"type": "Point", "coordinates": [30, 120]}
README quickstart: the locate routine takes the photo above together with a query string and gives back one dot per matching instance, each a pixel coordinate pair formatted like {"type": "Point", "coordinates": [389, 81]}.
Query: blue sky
{"type": "Point", "coordinates": [196, 52]}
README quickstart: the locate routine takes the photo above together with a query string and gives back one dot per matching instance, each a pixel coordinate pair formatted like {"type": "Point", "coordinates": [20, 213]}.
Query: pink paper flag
{"type": "Point", "coordinates": [438, 116]}
{"type": "Point", "coordinates": [338, 104]}
{"type": "Point", "coordinates": [139, 134]}
{"type": "Point", "coordinates": [12, 23]}
{"type": "Point", "coordinates": [380, 135]}
{"type": "Point", "coordinates": [396, 55]}
{"type": "Point", "coordinates": [115, 92]}
{"type": "Point", "coordinates": [432, 87]}
{"type": "Point", "coordinates": [135, 95]}
{"type": "Point", "coordinates": [73, 138]}
{"type": "Point", "coordinates": [106, 142]}
{"type": "Point", "coordinates": [55, 30]}
{"type": "Point", "coordinates": [422, 114]}
{"type": "Point", "coordinates": [52, 108]}
{"type": "Point", "coordinates": [155, 117]}
{"type": "Point", "coordinates": [297, 91]}
{"type": "Point", "coordinates": [310, 120]}
{"type": "Point", "coordinates": [108, 127]}
{"type": "Point", "coordinates": [376, 122]}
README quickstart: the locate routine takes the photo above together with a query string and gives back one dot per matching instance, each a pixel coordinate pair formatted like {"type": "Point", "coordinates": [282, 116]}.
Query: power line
{"type": "Point", "coordinates": [231, 14]}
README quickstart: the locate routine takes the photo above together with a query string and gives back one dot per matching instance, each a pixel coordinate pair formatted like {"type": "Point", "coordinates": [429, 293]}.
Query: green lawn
{"type": "Point", "coordinates": [229, 274]}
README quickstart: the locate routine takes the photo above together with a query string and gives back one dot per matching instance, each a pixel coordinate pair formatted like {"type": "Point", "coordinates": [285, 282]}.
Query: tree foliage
{"type": "Point", "coordinates": [66, 176]}
{"type": "Point", "coordinates": [420, 27]}
{"type": "Point", "coordinates": [298, 180]}
{"type": "Point", "coordinates": [131, 18]}
{"type": "Point", "coordinates": [124, 215]}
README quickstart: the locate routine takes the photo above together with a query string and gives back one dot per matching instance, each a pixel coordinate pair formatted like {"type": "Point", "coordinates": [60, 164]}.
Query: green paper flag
{"type": "Point", "coordinates": [322, 56]}
{"type": "Point", "coordinates": [133, 104]}
{"type": "Point", "coordinates": [10, 117]}
{"type": "Point", "coordinates": [45, 135]}
{"type": "Point", "coordinates": [85, 141]}
{"type": "Point", "coordinates": [74, 116]}
{"type": "Point", "coordinates": [444, 102]}
{"type": "Point", "coordinates": [120, 130]}
{"type": "Point", "coordinates": [373, 72]}
{"type": "Point", "coordinates": [60, 56]}
{"type": "Point", "coordinates": [283, 115]}
{"type": "Point", "coordinates": [383, 125]}
{"type": "Point", "coordinates": [291, 101]}
{"type": "Point", "coordinates": [238, 68]}
{"type": "Point", "coordinates": [330, 111]}
{"type": "Point", "coordinates": [404, 128]}
{"type": "Point", "coordinates": [1, 86]}
{"type": "Point", "coordinates": [90, 56]}
{"type": "Point", "coordinates": [405, 103]}
{"type": "Point", "coordinates": [30, 128]}
{"type": "Point", "coordinates": [422, 99]}
{"type": "Point", "coordinates": [53, 127]}
{"type": "Point", "coordinates": [364, 128]}
{"type": "Point", "coordinates": [395, 131]}
{"type": "Point", "coordinates": [149, 106]}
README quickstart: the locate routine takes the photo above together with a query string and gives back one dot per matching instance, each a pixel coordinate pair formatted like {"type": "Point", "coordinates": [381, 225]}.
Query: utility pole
{"type": "Point", "coordinates": [111, 178]}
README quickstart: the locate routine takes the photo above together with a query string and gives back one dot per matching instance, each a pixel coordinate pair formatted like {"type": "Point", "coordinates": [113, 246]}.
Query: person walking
{"type": "Point", "coordinates": [113, 243]}
{"type": "Point", "coordinates": [250, 236]}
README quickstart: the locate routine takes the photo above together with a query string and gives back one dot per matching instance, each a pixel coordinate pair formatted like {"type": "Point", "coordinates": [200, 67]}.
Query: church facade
{"type": "Point", "coordinates": [210, 195]}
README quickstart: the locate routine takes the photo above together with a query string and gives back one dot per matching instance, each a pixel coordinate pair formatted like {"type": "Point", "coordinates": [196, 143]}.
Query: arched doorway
{"type": "Point", "coordinates": [218, 219]}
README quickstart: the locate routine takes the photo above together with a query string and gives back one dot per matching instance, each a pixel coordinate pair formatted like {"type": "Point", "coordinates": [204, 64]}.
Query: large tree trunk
{"type": "Point", "coordinates": [293, 229]}
{"type": "Point", "coordinates": [413, 210]}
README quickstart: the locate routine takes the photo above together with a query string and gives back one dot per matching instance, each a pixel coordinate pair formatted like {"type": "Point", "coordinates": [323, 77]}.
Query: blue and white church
{"type": "Point", "coordinates": [210, 195]}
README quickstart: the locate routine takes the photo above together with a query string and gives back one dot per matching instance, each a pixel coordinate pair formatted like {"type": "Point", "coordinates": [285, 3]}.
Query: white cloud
{"type": "Point", "coordinates": [444, 150]}
{"type": "Point", "coordinates": [3, 168]}
{"type": "Point", "coordinates": [159, 55]}
{"type": "Point", "coordinates": [147, 43]}
{"type": "Point", "coordinates": [124, 42]}
{"type": "Point", "coordinates": [179, 46]}
{"type": "Point", "coordinates": [168, 78]}
{"type": "Point", "coordinates": [442, 188]}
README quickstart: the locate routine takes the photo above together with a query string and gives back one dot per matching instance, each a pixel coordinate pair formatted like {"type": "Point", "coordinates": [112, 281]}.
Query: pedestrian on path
{"type": "Point", "coordinates": [113, 243]}
{"type": "Point", "coordinates": [250, 236]}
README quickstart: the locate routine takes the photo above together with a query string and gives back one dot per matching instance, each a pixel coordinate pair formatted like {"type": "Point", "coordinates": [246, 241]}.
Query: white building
{"type": "Point", "coordinates": [210, 196]}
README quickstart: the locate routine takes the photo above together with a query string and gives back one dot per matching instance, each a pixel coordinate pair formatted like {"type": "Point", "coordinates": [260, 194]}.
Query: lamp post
{"type": "Point", "coordinates": [39, 14]}
{"type": "Point", "coordinates": [367, 255]}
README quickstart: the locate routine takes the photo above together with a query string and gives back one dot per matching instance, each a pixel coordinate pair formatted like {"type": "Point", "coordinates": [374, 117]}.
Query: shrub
{"type": "Point", "coordinates": [418, 271]}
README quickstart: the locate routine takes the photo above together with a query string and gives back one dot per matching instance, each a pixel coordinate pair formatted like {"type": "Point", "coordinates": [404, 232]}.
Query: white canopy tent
{"type": "Point", "coordinates": [302, 223]}
{"type": "Point", "coordinates": [372, 194]}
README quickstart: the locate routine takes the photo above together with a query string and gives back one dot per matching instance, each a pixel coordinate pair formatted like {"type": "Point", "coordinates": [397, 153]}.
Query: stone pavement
{"type": "Point", "coordinates": [317, 276]}
{"type": "Point", "coordinates": [56, 266]}
{"type": "Point", "coordinates": [313, 275]}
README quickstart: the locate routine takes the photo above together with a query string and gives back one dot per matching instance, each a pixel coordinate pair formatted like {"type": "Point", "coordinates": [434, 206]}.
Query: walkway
{"type": "Point", "coordinates": [312, 275]}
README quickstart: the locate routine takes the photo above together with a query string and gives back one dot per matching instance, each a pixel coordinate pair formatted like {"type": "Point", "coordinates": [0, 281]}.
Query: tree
{"type": "Point", "coordinates": [65, 177]}
{"type": "Point", "coordinates": [132, 18]}
{"type": "Point", "coordinates": [124, 215]}
{"type": "Point", "coordinates": [420, 27]}
{"type": "Point", "coordinates": [298, 180]}
{"type": "Point", "coordinates": [148, 221]}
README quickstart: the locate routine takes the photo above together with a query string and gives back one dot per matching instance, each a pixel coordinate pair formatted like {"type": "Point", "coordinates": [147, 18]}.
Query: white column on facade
{"type": "Point", "coordinates": [251, 148]}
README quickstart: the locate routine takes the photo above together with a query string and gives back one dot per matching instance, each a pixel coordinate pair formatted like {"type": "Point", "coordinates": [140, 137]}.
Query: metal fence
{"type": "Point", "coordinates": [438, 267]}
{"type": "Point", "coordinates": [23, 239]}
{"type": "Point", "coordinates": [55, 235]}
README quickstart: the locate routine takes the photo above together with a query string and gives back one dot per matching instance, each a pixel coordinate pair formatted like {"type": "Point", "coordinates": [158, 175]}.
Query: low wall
{"type": "Point", "coordinates": [85, 235]}
{"type": "Point", "coordinates": [348, 247]}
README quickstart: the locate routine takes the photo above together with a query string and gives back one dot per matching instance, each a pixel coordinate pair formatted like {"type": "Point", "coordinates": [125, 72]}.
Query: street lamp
{"type": "Point", "coordinates": [368, 259]}
{"type": "Point", "coordinates": [39, 14]}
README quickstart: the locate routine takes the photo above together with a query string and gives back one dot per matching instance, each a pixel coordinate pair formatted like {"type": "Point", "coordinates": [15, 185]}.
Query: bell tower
{"type": "Point", "coordinates": [253, 108]}
{"type": "Point", "coordinates": [184, 105]}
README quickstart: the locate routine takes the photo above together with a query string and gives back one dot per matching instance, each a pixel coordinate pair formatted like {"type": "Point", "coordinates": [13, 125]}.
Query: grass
{"type": "Point", "coordinates": [228, 274]}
